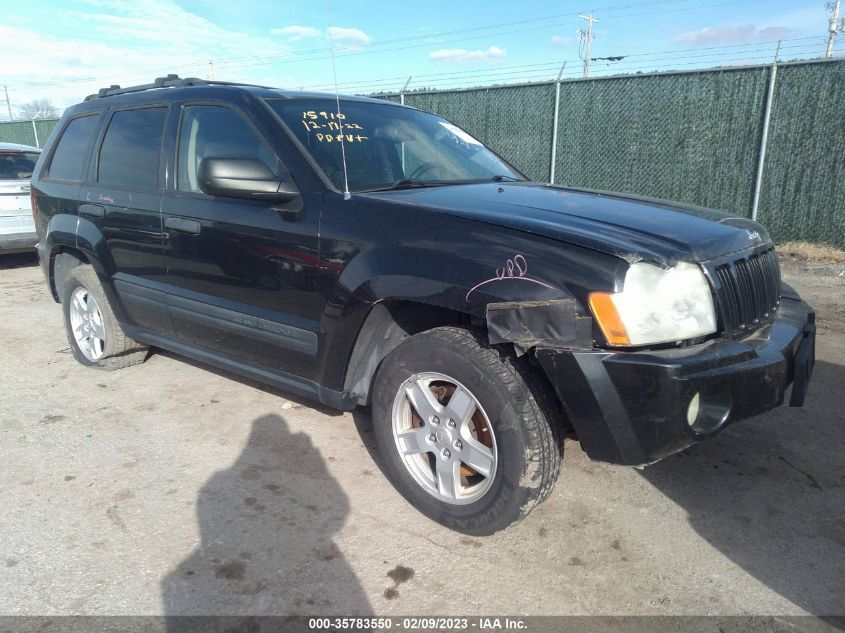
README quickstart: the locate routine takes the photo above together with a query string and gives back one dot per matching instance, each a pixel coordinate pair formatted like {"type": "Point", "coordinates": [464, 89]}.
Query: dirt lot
{"type": "Point", "coordinates": [171, 488]}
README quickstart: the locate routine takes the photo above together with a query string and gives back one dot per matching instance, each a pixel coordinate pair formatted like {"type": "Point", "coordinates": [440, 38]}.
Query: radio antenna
{"type": "Point", "coordinates": [346, 194]}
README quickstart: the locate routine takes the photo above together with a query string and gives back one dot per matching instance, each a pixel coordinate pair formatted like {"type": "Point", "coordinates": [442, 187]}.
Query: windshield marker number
{"type": "Point", "coordinates": [329, 122]}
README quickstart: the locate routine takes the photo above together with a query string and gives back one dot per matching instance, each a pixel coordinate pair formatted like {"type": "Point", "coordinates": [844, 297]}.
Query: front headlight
{"type": "Point", "coordinates": [656, 305]}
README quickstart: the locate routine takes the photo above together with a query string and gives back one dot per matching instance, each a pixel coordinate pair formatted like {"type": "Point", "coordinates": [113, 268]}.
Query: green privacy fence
{"type": "Point", "coordinates": [803, 185]}
{"type": "Point", "coordinates": [693, 137]}
{"type": "Point", "coordinates": [688, 136]}
{"type": "Point", "coordinates": [34, 133]}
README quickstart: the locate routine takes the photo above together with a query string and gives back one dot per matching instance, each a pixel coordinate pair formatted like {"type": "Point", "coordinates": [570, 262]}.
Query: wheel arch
{"type": "Point", "coordinates": [74, 241]}
{"type": "Point", "coordinates": [63, 259]}
{"type": "Point", "coordinates": [387, 324]}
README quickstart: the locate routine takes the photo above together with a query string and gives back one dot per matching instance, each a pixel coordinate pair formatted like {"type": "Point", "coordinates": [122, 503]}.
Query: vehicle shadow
{"type": "Point", "coordinates": [769, 494]}
{"type": "Point", "coordinates": [18, 260]}
{"type": "Point", "coordinates": [287, 395]}
{"type": "Point", "coordinates": [266, 524]}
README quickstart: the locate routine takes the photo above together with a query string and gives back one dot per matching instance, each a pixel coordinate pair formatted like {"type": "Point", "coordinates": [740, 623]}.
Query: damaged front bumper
{"type": "Point", "coordinates": [636, 408]}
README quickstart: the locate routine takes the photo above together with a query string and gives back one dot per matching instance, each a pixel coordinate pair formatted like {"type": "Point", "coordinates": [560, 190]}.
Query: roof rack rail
{"type": "Point", "coordinates": [170, 81]}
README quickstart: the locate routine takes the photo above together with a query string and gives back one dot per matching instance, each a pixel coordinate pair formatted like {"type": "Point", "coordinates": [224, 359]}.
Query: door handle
{"type": "Point", "coordinates": [92, 209]}
{"type": "Point", "coordinates": [182, 224]}
{"type": "Point", "coordinates": [289, 214]}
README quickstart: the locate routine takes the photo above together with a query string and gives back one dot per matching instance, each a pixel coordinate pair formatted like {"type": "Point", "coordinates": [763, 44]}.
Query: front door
{"type": "Point", "coordinates": [242, 274]}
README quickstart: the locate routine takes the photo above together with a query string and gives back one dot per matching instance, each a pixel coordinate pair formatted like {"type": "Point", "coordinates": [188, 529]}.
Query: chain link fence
{"type": "Point", "coordinates": [689, 136]}
{"type": "Point", "coordinates": [32, 133]}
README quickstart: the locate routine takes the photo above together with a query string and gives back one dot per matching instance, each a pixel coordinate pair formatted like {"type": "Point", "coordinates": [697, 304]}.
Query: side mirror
{"type": "Point", "coordinates": [245, 178]}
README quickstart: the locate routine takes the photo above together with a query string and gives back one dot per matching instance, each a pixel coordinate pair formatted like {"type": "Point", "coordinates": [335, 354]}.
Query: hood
{"type": "Point", "coordinates": [630, 227]}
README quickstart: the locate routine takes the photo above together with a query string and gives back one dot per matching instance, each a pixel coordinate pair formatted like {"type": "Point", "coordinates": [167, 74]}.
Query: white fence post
{"type": "Point", "coordinates": [764, 140]}
{"type": "Point", "coordinates": [554, 129]}
{"type": "Point", "coordinates": [35, 131]}
{"type": "Point", "coordinates": [402, 92]}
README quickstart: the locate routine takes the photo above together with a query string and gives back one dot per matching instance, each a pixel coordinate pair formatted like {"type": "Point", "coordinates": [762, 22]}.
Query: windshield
{"type": "Point", "coordinates": [388, 146]}
{"type": "Point", "coordinates": [17, 165]}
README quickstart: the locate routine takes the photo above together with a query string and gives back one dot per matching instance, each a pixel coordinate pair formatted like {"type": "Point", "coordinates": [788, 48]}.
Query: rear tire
{"type": "Point", "coordinates": [95, 337]}
{"type": "Point", "coordinates": [468, 433]}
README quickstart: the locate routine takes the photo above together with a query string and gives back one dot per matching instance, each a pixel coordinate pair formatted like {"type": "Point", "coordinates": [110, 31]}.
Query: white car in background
{"type": "Point", "coordinates": [17, 227]}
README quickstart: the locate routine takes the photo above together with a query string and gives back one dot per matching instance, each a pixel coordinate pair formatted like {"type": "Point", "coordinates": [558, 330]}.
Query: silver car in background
{"type": "Point", "coordinates": [17, 228]}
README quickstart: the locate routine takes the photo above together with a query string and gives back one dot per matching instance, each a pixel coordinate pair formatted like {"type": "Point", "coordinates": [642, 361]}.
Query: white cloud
{"type": "Point", "coordinates": [559, 40]}
{"type": "Point", "coordinates": [123, 43]}
{"type": "Point", "coordinates": [463, 56]}
{"type": "Point", "coordinates": [342, 35]}
{"type": "Point", "coordinates": [730, 34]}
{"type": "Point", "coordinates": [295, 32]}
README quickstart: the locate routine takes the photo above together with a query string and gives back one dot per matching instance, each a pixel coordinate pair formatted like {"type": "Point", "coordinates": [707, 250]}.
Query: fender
{"type": "Point", "coordinates": [60, 234]}
{"type": "Point", "coordinates": [406, 297]}
{"type": "Point", "coordinates": [71, 231]}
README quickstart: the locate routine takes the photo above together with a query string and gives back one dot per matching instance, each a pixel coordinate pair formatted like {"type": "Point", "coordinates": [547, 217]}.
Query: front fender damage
{"type": "Point", "coordinates": [527, 324]}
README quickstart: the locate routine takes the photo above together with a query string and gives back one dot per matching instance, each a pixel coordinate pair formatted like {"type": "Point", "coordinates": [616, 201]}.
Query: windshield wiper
{"type": "Point", "coordinates": [408, 184]}
{"type": "Point", "coordinates": [412, 184]}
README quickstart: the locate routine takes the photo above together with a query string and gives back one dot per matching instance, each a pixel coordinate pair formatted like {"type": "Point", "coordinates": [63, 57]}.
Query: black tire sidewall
{"type": "Point", "coordinates": [503, 502]}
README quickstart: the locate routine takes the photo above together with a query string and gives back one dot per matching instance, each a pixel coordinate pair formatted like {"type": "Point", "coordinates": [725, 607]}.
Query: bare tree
{"type": "Point", "coordinates": [39, 109]}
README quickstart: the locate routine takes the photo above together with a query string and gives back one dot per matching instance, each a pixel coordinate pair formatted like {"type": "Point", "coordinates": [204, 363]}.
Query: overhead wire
{"type": "Point", "coordinates": [374, 48]}
{"type": "Point", "coordinates": [551, 68]}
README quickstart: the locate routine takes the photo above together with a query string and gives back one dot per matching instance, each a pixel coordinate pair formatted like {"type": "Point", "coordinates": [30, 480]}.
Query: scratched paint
{"type": "Point", "coordinates": [515, 269]}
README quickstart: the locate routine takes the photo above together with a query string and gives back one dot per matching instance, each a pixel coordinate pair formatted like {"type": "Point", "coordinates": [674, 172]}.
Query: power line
{"type": "Point", "coordinates": [371, 49]}
{"type": "Point", "coordinates": [675, 57]}
{"type": "Point", "coordinates": [438, 34]}
{"type": "Point", "coordinates": [229, 62]}
{"type": "Point", "coordinates": [538, 76]}
{"type": "Point", "coordinates": [368, 49]}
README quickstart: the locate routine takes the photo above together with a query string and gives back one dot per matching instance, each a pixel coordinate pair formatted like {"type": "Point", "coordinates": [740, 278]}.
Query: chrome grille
{"type": "Point", "coordinates": [748, 289]}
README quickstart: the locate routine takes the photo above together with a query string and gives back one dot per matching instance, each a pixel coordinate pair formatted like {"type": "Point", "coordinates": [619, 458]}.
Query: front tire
{"type": "Point", "coordinates": [93, 332]}
{"type": "Point", "coordinates": [468, 433]}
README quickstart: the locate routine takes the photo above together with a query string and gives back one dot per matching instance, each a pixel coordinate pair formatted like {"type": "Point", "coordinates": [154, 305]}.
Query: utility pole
{"type": "Point", "coordinates": [836, 24]}
{"type": "Point", "coordinates": [587, 40]}
{"type": "Point", "coordinates": [8, 103]}
{"type": "Point", "coordinates": [211, 70]}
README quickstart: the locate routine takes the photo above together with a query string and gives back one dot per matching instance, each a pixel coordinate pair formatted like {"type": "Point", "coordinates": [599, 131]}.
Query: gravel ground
{"type": "Point", "coordinates": [169, 488]}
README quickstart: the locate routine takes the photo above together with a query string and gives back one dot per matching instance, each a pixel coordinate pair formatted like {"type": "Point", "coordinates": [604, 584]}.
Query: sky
{"type": "Point", "coordinates": [63, 50]}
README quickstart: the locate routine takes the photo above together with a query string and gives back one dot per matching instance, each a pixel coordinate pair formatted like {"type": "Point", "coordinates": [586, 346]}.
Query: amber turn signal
{"type": "Point", "coordinates": [608, 319]}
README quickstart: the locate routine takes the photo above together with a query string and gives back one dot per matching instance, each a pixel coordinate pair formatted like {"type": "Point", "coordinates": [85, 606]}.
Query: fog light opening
{"type": "Point", "coordinates": [694, 409]}
{"type": "Point", "coordinates": [708, 411]}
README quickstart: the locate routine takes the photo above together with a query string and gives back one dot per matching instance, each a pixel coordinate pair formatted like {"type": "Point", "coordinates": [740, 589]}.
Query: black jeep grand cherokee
{"type": "Point", "coordinates": [365, 253]}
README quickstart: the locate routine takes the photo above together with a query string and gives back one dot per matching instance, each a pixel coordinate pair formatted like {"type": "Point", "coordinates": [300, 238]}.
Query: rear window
{"type": "Point", "coordinates": [17, 165]}
{"type": "Point", "coordinates": [129, 156]}
{"type": "Point", "coordinates": [72, 149]}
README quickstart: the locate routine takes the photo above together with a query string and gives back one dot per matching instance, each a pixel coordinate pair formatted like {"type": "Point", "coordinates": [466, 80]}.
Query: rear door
{"type": "Point", "coordinates": [242, 273]}
{"type": "Point", "coordinates": [122, 199]}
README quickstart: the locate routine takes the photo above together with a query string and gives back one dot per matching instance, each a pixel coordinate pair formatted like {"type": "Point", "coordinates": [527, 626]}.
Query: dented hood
{"type": "Point", "coordinates": [630, 227]}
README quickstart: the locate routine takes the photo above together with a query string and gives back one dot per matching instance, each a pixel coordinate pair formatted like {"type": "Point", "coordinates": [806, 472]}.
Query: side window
{"type": "Point", "coordinates": [72, 149]}
{"type": "Point", "coordinates": [129, 155]}
{"type": "Point", "coordinates": [216, 132]}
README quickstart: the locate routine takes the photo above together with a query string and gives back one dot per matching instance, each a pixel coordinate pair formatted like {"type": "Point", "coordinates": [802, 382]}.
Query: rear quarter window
{"type": "Point", "coordinates": [72, 148]}
{"type": "Point", "coordinates": [131, 149]}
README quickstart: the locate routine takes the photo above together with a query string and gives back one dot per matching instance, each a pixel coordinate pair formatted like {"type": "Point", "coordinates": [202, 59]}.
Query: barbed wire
{"type": "Point", "coordinates": [551, 68]}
